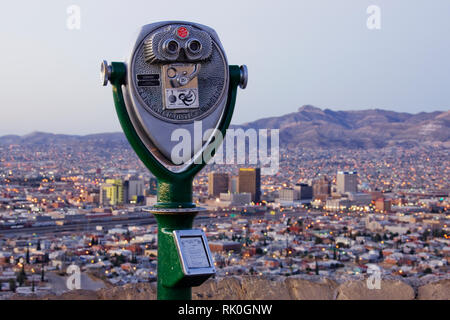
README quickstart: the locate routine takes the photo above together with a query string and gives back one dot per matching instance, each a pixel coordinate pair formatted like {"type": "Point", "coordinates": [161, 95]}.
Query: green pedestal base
{"type": "Point", "coordinates": [169, 264]}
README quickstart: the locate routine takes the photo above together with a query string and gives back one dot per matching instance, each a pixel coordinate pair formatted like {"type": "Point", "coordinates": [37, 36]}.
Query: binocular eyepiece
{"type": "Point", "coordinates": [191, 48]}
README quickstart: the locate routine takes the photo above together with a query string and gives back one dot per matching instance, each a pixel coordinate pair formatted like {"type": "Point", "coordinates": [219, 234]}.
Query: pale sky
{"type": "Point", "coordinates": [317, 52]}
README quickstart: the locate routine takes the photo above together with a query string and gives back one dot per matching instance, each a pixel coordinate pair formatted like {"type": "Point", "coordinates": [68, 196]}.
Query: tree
{"type": "Point", "coordinates": [117, 260]}
{"type": "Point", "coordinates": [12, 285]}
{"type": "Point", "coordinates": [21, 276]}
{"type": "Point", "coordinates": [428, 271]}
{"type": "Point", "coordinates": [94, 241]}
{"type": "Point", "coordinates": [437, 233]}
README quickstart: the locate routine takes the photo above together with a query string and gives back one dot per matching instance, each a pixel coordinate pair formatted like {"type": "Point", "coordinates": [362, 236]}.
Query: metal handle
{"type": "Point", "coordinates": [244, 77]}
{"type": "Point", "coordinates": [105, 72]}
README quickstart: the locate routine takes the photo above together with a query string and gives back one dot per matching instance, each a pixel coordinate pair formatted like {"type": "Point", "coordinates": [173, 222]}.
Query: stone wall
{"type": "Point", "coordinates": [277, 288]}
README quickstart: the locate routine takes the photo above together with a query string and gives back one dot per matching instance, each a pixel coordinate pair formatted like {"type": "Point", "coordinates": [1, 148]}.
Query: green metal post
{"type": "Point", "coordinates": [177, 211]}
{"type": "Point", "coordinates": [175, 194]}
{"type": "Point", "coordinates": [168, 259]}
{"type": "Point", "coordinates": [172, 195]}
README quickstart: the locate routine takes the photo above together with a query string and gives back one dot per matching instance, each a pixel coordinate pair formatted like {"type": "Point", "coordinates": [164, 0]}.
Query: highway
{"type": "Point", "coordinates": [77, 227]}
{"type": "Point", "coordinates": [82, 226]}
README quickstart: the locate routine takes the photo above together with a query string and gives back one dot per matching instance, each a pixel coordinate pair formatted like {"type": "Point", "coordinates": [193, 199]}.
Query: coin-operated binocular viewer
{"type": "Point", "coordinates": [176, 77]}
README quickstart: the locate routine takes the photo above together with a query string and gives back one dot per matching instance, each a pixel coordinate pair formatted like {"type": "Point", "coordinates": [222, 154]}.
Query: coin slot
{"type": "Point", "coordinates": [148, 83]}
{"type": "Point", "coordinates": [148, 77]}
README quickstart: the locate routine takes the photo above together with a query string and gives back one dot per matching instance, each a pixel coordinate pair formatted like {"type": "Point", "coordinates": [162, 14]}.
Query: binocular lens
{"type": "Point", "coordinates": [194, 46]}
{"type": "Point", "coordinates": [172, 47]}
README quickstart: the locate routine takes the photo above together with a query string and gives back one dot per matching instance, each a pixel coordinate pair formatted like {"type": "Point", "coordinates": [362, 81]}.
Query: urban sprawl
{"type": "Point", "coordinates": [331, 213]}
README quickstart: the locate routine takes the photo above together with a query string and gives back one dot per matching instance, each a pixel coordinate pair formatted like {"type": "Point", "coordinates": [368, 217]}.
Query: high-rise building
{"type": "Point", "coordinates": [304, 191]}
{"type": "Point", "coordinates": [383, 205]}
{"type": "Point", "coordinates": [321, 188]}
{"type": "Point", "coordinates": [250, 181]}
{"type": "Point", "coordinates": [301, 191]}
{"type": "Point", "coordinates": [217, 183]}
{"type": "Point", "coordinates": [234, 184]}
{"type": "Point", "coordinates": [133, 188]}
{"type": "Point", "coordinates": [347, 181]}
{"type": "Point", "coordinates": [112, 192]}
{"type": "Point", "coordinates": [288, 194]}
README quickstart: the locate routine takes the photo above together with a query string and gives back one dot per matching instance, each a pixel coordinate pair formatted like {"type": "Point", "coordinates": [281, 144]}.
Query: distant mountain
{"type": "Point", "coordinates": [313, 127]}
{"type": "Point", "coordinates": [308, 127]}
{"type": "Point", "coordinates": [43, 138]}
